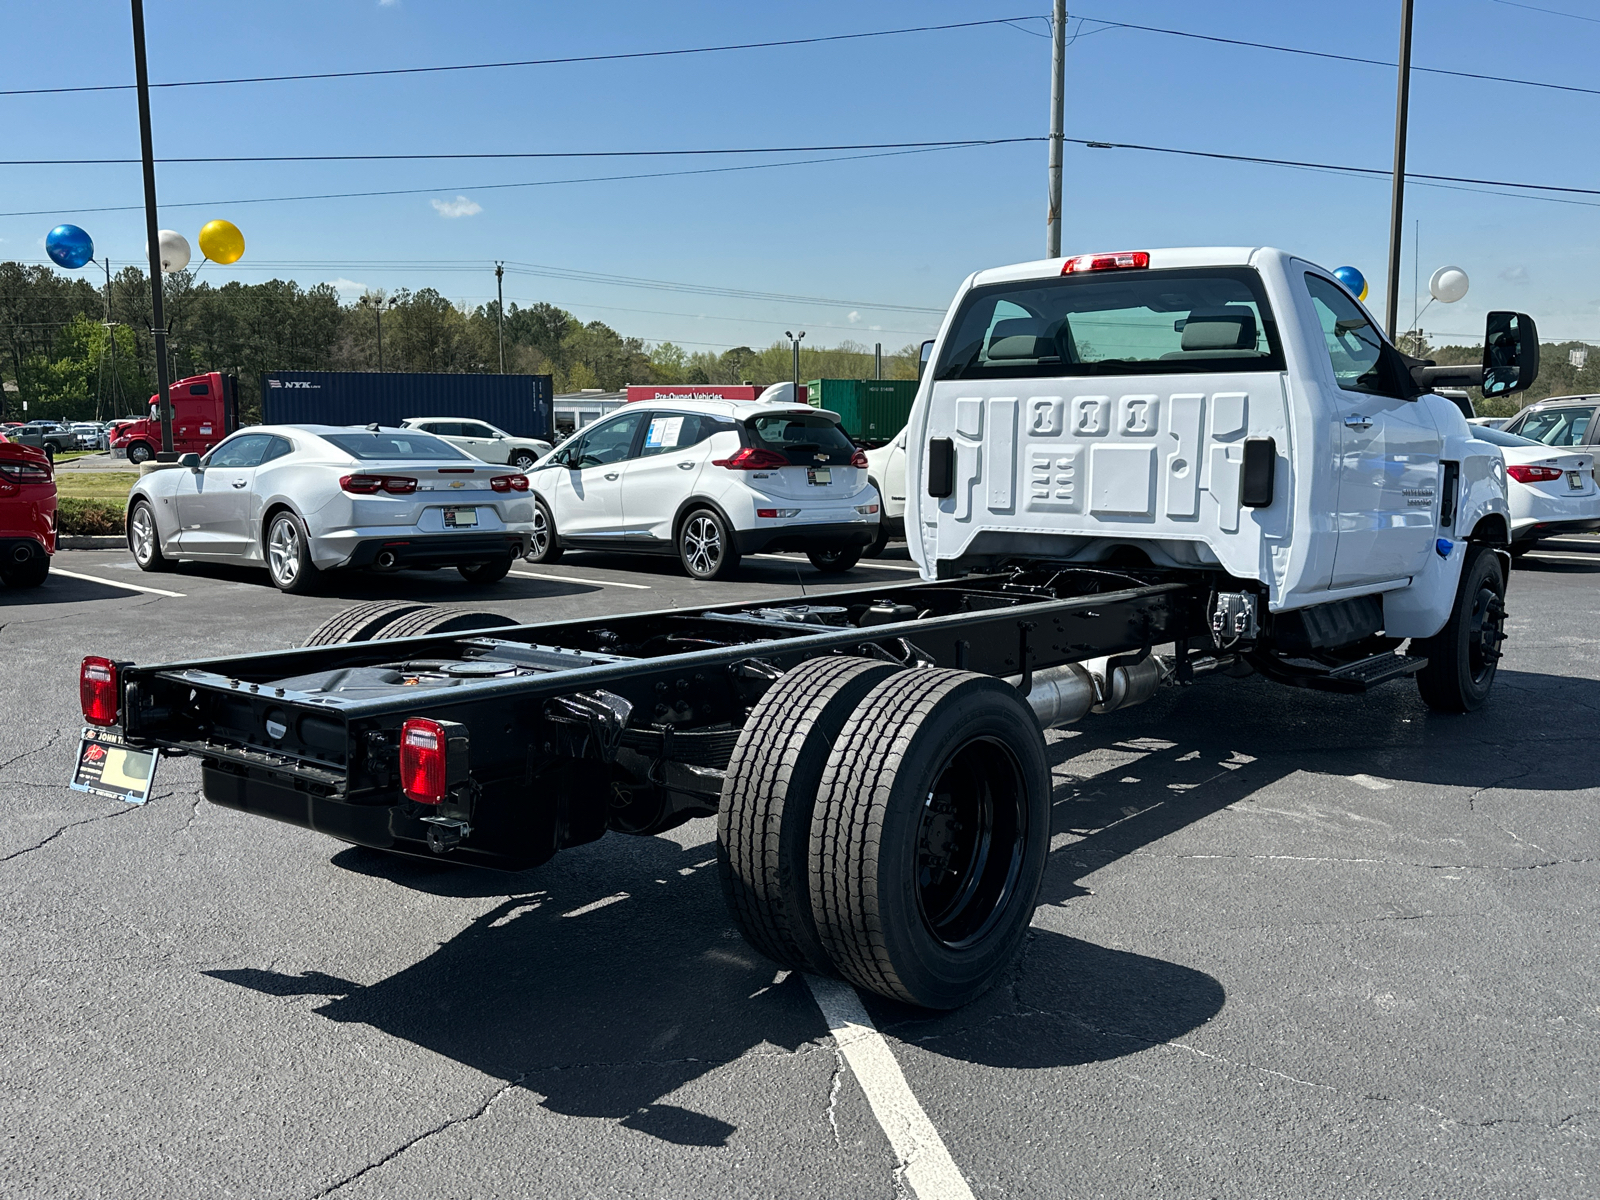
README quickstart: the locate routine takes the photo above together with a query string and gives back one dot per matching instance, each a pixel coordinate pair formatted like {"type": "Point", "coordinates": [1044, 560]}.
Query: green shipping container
{"type": "Point", "coordinates": [871, 410]}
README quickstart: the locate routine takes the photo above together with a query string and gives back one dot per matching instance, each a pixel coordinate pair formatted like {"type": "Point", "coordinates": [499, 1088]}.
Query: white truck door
{"type": "Point", "coordinates": [1388, 476]}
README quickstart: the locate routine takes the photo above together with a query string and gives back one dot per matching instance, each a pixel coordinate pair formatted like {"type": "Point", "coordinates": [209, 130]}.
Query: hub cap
{"type": "Point", "coordinates": [144, 535]}
{"type": "Point", "coordinates": [970, 842]}
{"type": "Point", "coordinates": [283, 550]}
{"type": "Point", "coordinates": [702, 544]}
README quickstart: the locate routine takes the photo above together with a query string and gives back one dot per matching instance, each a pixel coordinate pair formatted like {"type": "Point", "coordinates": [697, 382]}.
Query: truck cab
{"type": "Point", "coordinates": [205, 409]}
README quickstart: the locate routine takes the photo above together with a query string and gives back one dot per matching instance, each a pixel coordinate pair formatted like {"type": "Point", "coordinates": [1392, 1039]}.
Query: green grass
{"type": "Point", "coordinates": [110, 487]}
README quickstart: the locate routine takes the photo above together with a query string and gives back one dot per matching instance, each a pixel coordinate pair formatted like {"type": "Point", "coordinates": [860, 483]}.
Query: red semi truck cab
{"type": "Point", "coordinates": [205, 409]}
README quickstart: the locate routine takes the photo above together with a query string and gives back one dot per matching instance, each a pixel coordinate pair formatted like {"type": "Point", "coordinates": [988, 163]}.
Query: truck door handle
{"type": "Point", "coordinates": [1358, 422]}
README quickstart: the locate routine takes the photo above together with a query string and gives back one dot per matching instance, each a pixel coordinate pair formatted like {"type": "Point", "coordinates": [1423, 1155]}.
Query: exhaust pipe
{"type": "Point", "coordinates": [23, 553]}
{"type": "Point", "coordinates": [386, 561]}
{"type": "Point", "coordinates": [1066, 693]}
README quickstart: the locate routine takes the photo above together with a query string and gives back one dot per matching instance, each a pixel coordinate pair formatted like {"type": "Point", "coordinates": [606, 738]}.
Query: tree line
{"type": "Point", "coordinates": [74, 351]}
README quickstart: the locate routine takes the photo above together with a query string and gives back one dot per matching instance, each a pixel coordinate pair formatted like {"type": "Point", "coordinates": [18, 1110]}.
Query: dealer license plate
{"type": "Point", "coordinates": [460, 518]}
{"type": "Point", "coordinates": [817, 476]}
{"type": "Point", "coordinates": [107, 766]}
{"type": "Point", "coordinates": [1575, 480]}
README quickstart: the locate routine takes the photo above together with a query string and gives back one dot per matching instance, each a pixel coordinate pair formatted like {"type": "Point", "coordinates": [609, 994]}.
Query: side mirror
{"type": "Point", "coordinates": [1510, 353]}
{"type": "Point", "coordinates": [192, 461]}
{"type": "Point", "coordinates": [923, 357]}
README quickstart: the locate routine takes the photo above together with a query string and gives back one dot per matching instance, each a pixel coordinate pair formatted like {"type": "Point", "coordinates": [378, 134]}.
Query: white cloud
{"type": "Point", "coordinates": [348, 287]}
{"type": "Point", "coordinates": [854, 317]}
{"type": "Point", "coordinates": [459, 207]}
{"type": "Point", "coordinates": [1516, 274]}
{"type": "Point", "coordinates": [387, 3]}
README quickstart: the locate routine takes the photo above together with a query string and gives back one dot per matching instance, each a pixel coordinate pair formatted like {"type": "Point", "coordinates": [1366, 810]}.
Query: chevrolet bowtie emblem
{"type": "Point", "coordinates": [821, 457]}
{"type": "Point", "coordinates": [457, 483]}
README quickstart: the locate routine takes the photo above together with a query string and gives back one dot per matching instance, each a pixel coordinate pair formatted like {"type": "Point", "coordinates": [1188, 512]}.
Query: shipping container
{"type": "Point", "coordinates": [518, 404]}
{"type": "Point", "coordinates": [871, 410]}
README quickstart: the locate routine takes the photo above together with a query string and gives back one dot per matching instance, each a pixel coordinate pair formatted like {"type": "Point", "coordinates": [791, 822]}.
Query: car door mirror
{"type": "Point", "coordinates": [1510, 353]}
{"type": "Point", "coordinates": [192, 461]}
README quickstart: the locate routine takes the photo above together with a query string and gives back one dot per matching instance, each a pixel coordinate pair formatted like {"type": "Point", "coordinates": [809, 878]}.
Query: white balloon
{"type": "Point", "coordinates": [175, 252]}
{"type": "Point", "coordinates": [1448, 285]}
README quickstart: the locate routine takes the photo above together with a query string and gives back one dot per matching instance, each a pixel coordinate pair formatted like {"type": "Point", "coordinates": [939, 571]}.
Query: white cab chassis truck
{"type": "Point", "coordinates": [1124, 471]}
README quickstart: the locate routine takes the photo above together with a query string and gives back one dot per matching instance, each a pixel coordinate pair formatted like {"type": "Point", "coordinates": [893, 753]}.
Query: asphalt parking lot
{"type": "Point", "coordinates": [1290, 945]}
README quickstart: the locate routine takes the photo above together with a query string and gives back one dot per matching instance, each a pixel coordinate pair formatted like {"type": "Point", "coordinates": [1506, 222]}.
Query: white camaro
{"type": "Point", "coordinates": [1551, 489]}
{"type": "Point", "coordinates": [710, 481]}
{"type": "Point", "coordinates": [303, 499]}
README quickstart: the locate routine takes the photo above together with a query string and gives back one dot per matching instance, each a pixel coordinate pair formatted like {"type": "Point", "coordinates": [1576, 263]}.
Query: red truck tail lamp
{"type": "Point", "coordinates": [749, 458]}
{"type": "Point", "coordinates": [433, 759]}
{"type": "Point", "coordinates": [369, 485]}
{"type": "Point", "coordinates": [509, 483]}
{"type": "Point", "coordinates": [1533, 474]}
{"type": "Point", "coordinates": [1121, 260]}
{"type": "Point", "coordinates": [97, 690]}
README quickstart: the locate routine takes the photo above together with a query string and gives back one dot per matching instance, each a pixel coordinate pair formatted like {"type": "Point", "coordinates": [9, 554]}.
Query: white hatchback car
{"type": "Point", "coordinates": [709, 481]}
{"type": "Point", "coordinates": [483, 440]}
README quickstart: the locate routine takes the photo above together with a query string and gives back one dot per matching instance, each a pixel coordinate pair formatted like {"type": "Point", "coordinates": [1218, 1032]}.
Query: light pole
{"type": "Point", "coordinates": [377, 306]}
{"type": "Point", "coordinates": [794, 341]}
{"type": "Point", "coordinates": [158, 328]}
{"type": "Point", "coordinates": [1058, 89]}
{"type": "Point", "coordinates": [500, 310]}
{"type": "Point", "coordinates": [1391, 302]}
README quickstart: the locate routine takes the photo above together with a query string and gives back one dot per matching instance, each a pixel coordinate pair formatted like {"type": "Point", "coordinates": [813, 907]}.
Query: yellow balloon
{"type": "Point", "coordinates": [1363, 295]}
{"type": "Point", "coordinates": [221, 242]}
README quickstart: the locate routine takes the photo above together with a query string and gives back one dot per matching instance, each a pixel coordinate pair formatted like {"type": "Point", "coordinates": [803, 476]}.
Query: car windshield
{"type": "Point", "coordinates": [1558, 426]}
{"type": "Point", "coordinates": [393, 445]}
{"type": "Point", "coordinates": [1499, 437]}
{"type": "Point", "coordinates": [1114, 323]}
{"type": "Point", "coordinates": [805, 440]}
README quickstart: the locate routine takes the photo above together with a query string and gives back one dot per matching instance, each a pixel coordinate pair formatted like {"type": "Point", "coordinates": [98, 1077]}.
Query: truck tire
{"type": "Point", "coordinates": [144, 542]}
{"type": "Point", "coordinates": [836, 560]}
{"type": "Point", "coordinates": [1464, 656]}
{"type": "Point", "coordinates": [429, 619]}
{"type": "Point", "coordinates": [929, 836]}
{"type": "Point", "coordinates": [543, 546]}
{"type": "Point", "coordinates": [706, 546]}
{"type": "Point", "coordinates": [140, 452]}
{"type": "Point", "coordinates": [359, 622]}
{"type": "Point", "coordinates": [289, 555]}
{"type": "Point", "coordinates": [768, 791]}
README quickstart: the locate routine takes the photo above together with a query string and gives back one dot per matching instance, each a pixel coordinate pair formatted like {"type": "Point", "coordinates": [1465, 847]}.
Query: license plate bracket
{"type": "Point", "coordinates": [819, 476]}
{"type": "Point", "coordinates": [108, 766]}
{"type": "Point", "coordinates": [460, 518]}
{"type": "Point", "coordinates": [1575, 480]}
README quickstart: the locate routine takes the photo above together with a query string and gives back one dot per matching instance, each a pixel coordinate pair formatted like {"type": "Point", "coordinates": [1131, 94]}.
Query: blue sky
{"type": "Point", "coordinates": [899, 230]}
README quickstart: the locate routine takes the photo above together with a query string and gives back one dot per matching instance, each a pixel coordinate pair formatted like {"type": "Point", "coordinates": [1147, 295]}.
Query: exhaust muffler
{"type": "Point", "coordinates": [386, 561]}
{"type": "Point", "coordinates": [1063, 694]}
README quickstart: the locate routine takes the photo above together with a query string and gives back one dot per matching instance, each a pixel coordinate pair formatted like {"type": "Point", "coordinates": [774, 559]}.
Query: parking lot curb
{"type": "Point", "coordinates": [84, 541]}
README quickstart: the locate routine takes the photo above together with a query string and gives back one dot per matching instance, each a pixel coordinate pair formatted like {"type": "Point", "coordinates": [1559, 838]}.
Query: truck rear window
{"type": "Point", "coordinates": [397, 445]}
{"type": "Point", "coordinates": [1114, 323]}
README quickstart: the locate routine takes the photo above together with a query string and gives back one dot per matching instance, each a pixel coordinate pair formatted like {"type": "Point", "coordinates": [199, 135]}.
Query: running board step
{"type": "Point", "coordinates": [1350, 679]}
{"type": "Point", "coordinates": [1380, 668]}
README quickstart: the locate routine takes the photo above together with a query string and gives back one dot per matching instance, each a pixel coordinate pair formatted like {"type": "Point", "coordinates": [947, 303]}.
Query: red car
{"type": "Point", "coordinates": [27, 515]}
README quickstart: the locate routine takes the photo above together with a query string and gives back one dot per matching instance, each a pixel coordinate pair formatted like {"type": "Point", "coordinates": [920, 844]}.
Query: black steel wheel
{"type": "Point", "coordinates": [360, 621]}
{"type": "Point", "coordinates": [144, 543]}
{"type": "Point", "coordinates": [1464, 656]}
{"type": "Point", "coordinates": [543, 546]}
{"type": "Point", "coordinates": [492, 571]}
{"type": "Point", "coordinates": [706, 546]}
{"type": "Point", "coordinates": [929, 836]}
{"type": "Point", "coordinates": [768, 792]}
{"type": "Point", "coordinates": [836, 559]}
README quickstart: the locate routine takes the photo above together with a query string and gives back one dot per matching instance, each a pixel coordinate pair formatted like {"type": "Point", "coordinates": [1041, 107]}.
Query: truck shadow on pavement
{"type": "Point", "coordinates": [611, 977]}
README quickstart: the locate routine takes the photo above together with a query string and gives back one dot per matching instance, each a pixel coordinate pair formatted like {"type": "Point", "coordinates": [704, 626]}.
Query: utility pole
{"type": "Point", "coordinates": [1391, 302]}
{"type": "Point", "coordinates": [1058, 88]}
{"type": "Point", "coordinates": [794, 340]}
{"type": "Point", "coordinates": [500, 310]}
{"type": "Point", "coordinates": [158, 330]}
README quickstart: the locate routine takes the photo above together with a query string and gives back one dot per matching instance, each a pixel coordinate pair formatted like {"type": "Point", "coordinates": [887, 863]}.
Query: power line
{"type": "Point", "coordinates": [1551, 11]}
{"type": "Point", "coordinates": [531, 62]}
{"type": "Point", "coordinates": [514, 154]}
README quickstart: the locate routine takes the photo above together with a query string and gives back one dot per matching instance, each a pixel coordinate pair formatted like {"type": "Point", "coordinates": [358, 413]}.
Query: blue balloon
{"type": "Point", "coordinates": [68, 246]}
{"type": "Point", "coordinates": [1354, 281]}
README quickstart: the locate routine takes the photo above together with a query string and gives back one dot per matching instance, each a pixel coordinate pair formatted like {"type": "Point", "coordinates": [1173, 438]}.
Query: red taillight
{"type": "Point", "coordinates": [21, 473]}
{"type": "Point", "coordinates": [749, 458]}
{"type": "Point", "coordinates": [97, 690]}
{"type": "Point", "coordinates": [859, 459]}
{"type": "Point", "coordinates": [509, 483]}
{"type": "Point", "coordinates": [368, 485]}
{"type": "Point", "coordinates": [422, 760]}
{"type": "Point", "coordinates": [1533, 474]}
{"type": "Point", "coordinates": [1122, 260]}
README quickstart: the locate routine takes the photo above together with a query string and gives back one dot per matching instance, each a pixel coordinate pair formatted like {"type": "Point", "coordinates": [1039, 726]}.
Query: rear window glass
{"type": "Point", "coordinates": [1114, 323]}
{"type": "Point", "coordinates": [806, 440]}
{"type": "Point", "coordinates": [1499, 437]}
{"type": "Point", "coordinates": [1558, 426]}
{"type": "Point", "coordinates": [390, 445]}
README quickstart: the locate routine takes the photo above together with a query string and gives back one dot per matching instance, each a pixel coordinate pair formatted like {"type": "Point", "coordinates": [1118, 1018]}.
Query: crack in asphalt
{"type": "Point", "coordinates": [48, 742]}
{"type": "Point", "coordinates": [1472, 797]}
{"type": "Point", "coordinates": [69, 825]}
{"type": "Point", "coordinates": [421, 1137]}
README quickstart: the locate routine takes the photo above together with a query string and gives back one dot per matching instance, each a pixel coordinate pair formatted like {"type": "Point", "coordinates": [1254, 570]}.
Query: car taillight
{"type": "Point", "coordinates": [19, 473]}
{"type": "Point", "coordinates": [368, 485]}
{"type": "Point", "coordinates": [749, 458]}
{"type": "Point", "coordinates": [1122, 260]}
{"type": "Point", "coordinates": [859, 459]}
{"type": "Point", "coordinates": [97, 690]}
{"type": "Point", "coordinates": [422, 760]}
{"type": "Point", "coordinates": [509, 483]}
{"type": "Point", "coordinates": [1533, 474]}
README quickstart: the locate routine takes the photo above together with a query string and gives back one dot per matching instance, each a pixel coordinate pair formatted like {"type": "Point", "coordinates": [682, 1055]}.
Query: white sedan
{"type": "Point", "coordinates": [303, 499]}
{"type": "Point", "coordinates": [1551, 489]}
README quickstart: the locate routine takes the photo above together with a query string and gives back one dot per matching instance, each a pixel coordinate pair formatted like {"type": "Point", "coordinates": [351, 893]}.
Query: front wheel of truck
{"type": "Point", "coordinates": [1464, 656]}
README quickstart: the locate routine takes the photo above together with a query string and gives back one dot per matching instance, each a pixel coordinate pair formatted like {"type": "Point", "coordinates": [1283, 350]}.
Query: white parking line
{"type": "Point", "coordinates": [589, 908]}
{"type": "Point", "coordinates": [117, 583]}
{"type": "Point", "coordinates": [644, 587]}
{"type": "Point", "coordinates": [924, 1160]}
{"type": "Point", "coordinates": [1592, 560]}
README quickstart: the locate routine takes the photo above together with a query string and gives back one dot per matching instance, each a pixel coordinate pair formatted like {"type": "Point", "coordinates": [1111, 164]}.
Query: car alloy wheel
{"type": "Point", "coordinates": [540, 537]}
{"type": "Point", "coordinates": [283, 551]}
{"type": "Point", "coordinates": [523, 460]}
{"type": "Point", "coordinates": [702, 543]}
{"type": "Point", "coordinates": [144, 535]}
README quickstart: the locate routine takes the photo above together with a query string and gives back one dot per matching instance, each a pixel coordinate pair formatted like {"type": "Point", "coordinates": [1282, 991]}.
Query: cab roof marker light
{"type": "Point", "coordinates": [1119, 260]}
